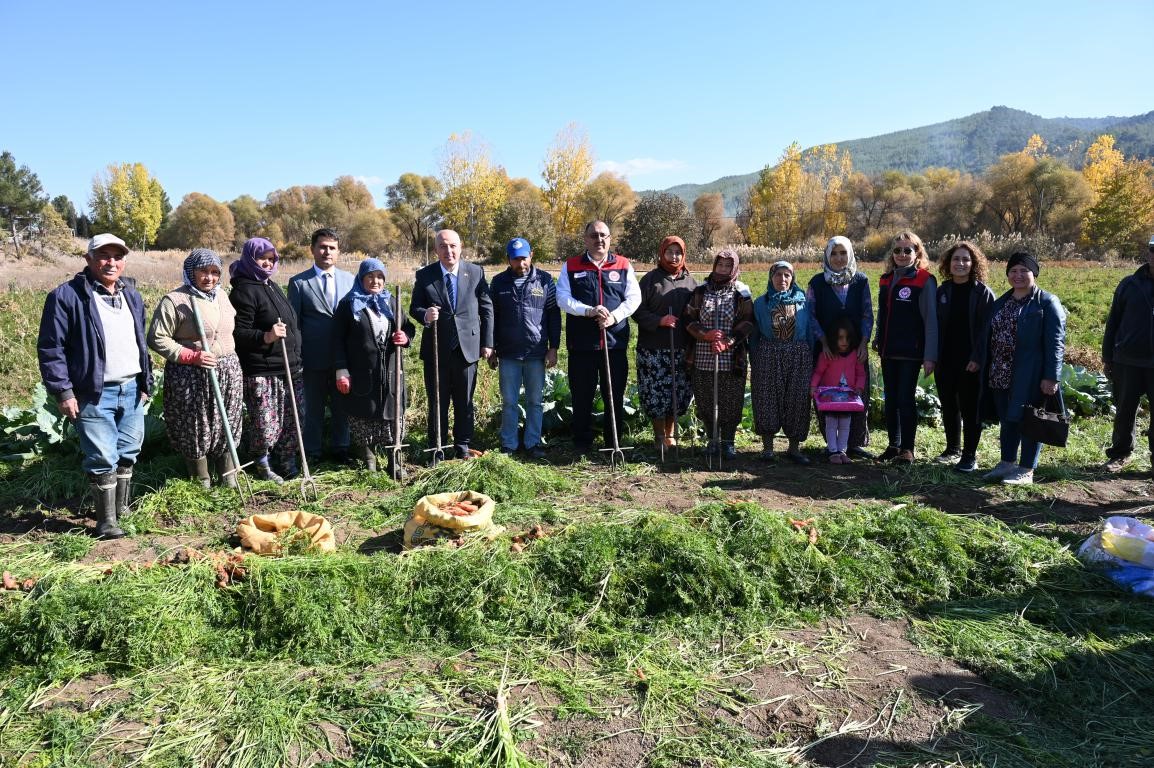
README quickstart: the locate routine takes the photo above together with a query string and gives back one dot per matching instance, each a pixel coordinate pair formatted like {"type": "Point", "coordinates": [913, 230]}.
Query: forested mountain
{"type": "Point", "coordinates": [969, 143]}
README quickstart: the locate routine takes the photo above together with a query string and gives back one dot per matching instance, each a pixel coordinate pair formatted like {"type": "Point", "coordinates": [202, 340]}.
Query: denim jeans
{"type": "Point", "coordinates": [531, 375]}
{"type": "Point", "coordinates": [112, 429]}
{"type": "Point", "coordinates": [1010, 436]}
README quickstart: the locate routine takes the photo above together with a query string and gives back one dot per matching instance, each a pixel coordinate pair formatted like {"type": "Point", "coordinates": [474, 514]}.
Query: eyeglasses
{"type": "Point", "coordinates": [906, 251]}
{"type": "Point", "coordinates": [598, 235]}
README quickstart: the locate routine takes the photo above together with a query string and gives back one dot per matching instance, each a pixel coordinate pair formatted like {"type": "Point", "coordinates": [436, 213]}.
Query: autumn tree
{"type": "Point", "coordinates": [523, 214]}
{"type": "Point", "coordinates": [1122, 218]}
{"type": "Point", "coordinates": [474, 188]}
{"type": "Point", "coordinates": [1101, 163]}
{"type": "Point", "coordinates": [709, 211]}
{"type": "Point", "coordinates": [412, 202]}
{"type": "Point", "coordinates": [567, 170]}
{"type": "Point", "coordinates": [351, 194]}
{"type": "Point", "coordinates": [20, 192]}
{"type": "Point", "coordinates": [775, 201]}
{"type": "Point", "coordinates": [63, 206]}
{"type": "Point", "coordinates": [652, 220]}
{"type": "Point", "coordinates": [127, 201]}
{"type": "Point", "coordinates": [370, 231]}
{"type": "Point", "coordinates": [248, 219]}
{"type": "Point", "coordinates": [199, 222]}
{"type": "Point", "coordinates": [607, 198]}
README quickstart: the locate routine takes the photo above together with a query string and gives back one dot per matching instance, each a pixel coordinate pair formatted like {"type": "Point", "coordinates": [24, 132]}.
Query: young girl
{"type": "Point", "coordinates": [844, 369]}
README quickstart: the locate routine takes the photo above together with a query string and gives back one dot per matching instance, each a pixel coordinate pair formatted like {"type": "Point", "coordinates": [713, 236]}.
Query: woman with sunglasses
{"type": "Point", "coordinates": [906, 339]}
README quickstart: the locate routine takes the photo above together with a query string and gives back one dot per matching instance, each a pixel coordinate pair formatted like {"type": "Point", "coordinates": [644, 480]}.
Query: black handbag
{"type": "Point", "coordinates": [1043, 425]}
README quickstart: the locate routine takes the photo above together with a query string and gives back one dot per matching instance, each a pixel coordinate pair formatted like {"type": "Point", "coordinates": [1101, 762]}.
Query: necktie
{"type": "Point", "coordinates": [330, 291]}
{"type": "Point", "coordinates": [451, 291]}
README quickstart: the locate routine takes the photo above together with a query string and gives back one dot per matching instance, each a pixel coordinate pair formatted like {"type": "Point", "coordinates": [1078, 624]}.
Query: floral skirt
{"type": "Point", "coordinates": [269, 426]}
{"type": "Point", "coordinates": [191, 415]}
{"type": "Point", "coordinates": [371, 432]}
{"type": "Point", "coordinates": [657, 380]}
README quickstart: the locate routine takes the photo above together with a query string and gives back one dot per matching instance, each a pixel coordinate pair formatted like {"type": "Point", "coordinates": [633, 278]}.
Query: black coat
{"type": "Point", "coordinates": [372, 367]}
{"type": "Point", "coordinates": [258, 305]}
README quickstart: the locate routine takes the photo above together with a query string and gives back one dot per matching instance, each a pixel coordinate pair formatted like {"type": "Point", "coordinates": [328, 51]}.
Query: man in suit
{"type": "Point", "coordinates": [451, 299]}
{"type": "Point", "coordinates": [314, 295]}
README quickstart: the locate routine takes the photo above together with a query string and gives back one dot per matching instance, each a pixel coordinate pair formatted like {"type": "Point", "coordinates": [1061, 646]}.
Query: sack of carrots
{"type": "Point", "coordinates": [272, 534]}
{"type": "Point", "coordinates": [449, 515]}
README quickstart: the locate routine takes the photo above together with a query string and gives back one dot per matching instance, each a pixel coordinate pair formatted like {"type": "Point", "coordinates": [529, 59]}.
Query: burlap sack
{"type": "Point", "coordinates": [428, 523]}
{"type": "Point", "coordinates": [260, 533]}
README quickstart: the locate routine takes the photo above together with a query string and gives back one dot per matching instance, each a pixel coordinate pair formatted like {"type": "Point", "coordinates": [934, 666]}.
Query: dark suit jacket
{"type": "Point", "coordinates": [315, 316]}
{"type": "Point", "coordinates": [471, 326]}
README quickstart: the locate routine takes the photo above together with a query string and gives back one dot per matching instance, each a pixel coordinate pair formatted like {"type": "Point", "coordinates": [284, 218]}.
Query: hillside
{"type": "Point", "coordinates": [970, 143]}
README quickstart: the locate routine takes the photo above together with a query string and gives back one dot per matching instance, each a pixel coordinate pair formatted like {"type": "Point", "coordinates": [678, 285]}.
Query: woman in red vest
{"type": "Point", "coordinates": [906, 339]}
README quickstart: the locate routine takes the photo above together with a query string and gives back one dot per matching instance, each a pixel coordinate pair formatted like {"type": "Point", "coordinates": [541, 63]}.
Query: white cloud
{"type": "Point", "coordinates": [370, 181]}
{"type": "Point", "coordinates": [638, 166]}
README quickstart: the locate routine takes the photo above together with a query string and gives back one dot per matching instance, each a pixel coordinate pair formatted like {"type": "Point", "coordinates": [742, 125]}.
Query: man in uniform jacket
{"type": "Point", "coordinates": [314, 295]}
{"type": "Point", "coordinates": [451, 299]}
{"type": "Point", "coordinates": [527, 331]}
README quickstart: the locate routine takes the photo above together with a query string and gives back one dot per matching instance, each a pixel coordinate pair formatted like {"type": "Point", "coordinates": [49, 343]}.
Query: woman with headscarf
{"type": "Point", "coordinates": [191, 414]}
{"type": "Point", "coordinates": [263, 318]}
{"type": "Point", "coordinates": [836, 294]}
{"type": "Point", "coordinates": [665, 290]}
{"type": "Point", "coordinates": [367, 343]}
{"type": "Point", "coordinates": [907, 339]}
{"type": "Point", "coordinates": [1025, 332]}
{"type": "Point", "coordinates": [782, 363]}
{"type": "Point", "coordinates": [719, 317]}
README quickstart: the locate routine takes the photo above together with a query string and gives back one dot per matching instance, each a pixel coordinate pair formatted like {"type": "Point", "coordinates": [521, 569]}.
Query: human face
{"type": "Point", "coordinates": [325, 252]}
{"type": "Point", "coordinates": [838, 258]}
{"type": "Point", "coordinates": [904, 252]}
{"type": "Point", "coordinates": [723, 268]}
{"type": "Point", "coordinates": [782, 280]}
{"type": "Point", "coordinates": [106, 264]}
{"type": "Point", "coordinates": [1021, 279]}
{"type": "Point", "coordinates": [597, 240]}
{"type": "Point", "coordinates": [961, 264]}
{"type": "Point", "coordinates": [842, 340]}
{"type": "Point", "coordinates": [448, 246]}
{"type": "Point", "coordinates": [520, 267]}
{"type": "Point", "coordinates": [265, 261]}
{"type": "Point", "coordinates": [373, 282]}
{"type": "Point", "coordinates": [673, 255]}
{"type": "Point", "coordinates": [206, 278]}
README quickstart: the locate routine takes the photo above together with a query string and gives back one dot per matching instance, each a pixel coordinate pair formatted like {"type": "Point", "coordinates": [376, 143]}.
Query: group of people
{"type": "Point", "coordinates": [332, 345]}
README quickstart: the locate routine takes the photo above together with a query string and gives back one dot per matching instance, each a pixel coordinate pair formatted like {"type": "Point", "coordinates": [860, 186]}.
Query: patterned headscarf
{"type": "Point", "coordinates": [792, 295]}
{"type": "Point", "coordinates": [671, 240]}
{"type": "Point", "coordinates": [730, 254]}
{"type": "Point", "coordinates": [246, 265]}
{"type": "Point", "coordinates": [360, 298]}
{"type": "Point", "coordinates": [845, 276]}
{"type": "Point", "coordinates": [200, 258]}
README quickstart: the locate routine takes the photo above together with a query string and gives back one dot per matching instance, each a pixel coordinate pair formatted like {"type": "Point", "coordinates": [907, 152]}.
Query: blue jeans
{"type": "Point", "coordinates": [112, 429]}
{"type": "Point", "coordinates": [1010, 436]}
{"type": "Point", "coordinates": [515, 374]}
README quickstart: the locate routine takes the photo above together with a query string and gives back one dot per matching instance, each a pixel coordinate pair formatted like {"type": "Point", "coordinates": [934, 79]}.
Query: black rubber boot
{"type": "Point", "coordinates": [401, 474]}
{"type": "Point", "coordinates": [198, 470]}
{"type": "Point", "coordinates": [366, 454]}
{"type": "Point", "coordinates": [104, 498]}
{"type": "Point", "coordinates": [224, 470]}
{"type": "Point", "coordinates": [123, 490]}
{"type": "Point", "coordinates": [264, 472]}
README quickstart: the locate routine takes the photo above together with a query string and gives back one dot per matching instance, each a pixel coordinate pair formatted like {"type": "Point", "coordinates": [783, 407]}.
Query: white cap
{"type": "Point", "coordinates": [98, 242]}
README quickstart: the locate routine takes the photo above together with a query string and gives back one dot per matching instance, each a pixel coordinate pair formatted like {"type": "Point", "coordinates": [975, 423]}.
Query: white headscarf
{"type": "Point", "coordinates": [832, 276]}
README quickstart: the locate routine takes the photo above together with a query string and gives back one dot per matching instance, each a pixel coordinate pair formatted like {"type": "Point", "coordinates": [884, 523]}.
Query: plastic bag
{"type": "Point", "coordinates": [1125, 550]}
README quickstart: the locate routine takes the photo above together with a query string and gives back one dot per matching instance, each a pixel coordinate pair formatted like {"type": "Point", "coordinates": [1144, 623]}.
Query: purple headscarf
{"type": "Point", "coordinates": [246, 265]}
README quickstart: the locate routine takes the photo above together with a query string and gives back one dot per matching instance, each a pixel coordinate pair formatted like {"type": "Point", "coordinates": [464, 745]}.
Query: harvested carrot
{"type": "Point", "coordinates": [10, 582]}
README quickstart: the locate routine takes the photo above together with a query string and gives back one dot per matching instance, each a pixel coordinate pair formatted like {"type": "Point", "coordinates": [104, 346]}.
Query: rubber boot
{"type": "Point", "coordinates": [198, 470]}
{"type": "Point", "coordinates": [264, 472]}
{"type": "Point", "coordinates": [104, 497]}
{"type": "Point", "coordinates": [401, 473]}
{"type": "Point", "coordinates": [224, 470]}
{"type": "Point", "coordinates": [123, 490]}
{"type": "Point", "coordinates": [366, 454]}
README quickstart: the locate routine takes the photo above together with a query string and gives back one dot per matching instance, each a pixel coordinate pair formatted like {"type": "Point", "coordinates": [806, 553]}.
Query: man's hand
{"type": "Point", "coordinates": [551, 358]}
{"type": "Point", "coordinates": [431, 315]}
{"type": "Point", "coordinates": [70, 408]}
{"type": "Point", "coordinates": [669, 321]}
{"type": "Point", "coordinates": [487, 352]}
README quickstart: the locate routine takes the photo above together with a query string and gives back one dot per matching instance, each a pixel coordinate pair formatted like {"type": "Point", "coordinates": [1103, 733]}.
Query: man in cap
{"type": "Point", "coordinates": [94, 361]}
{"type": "Point", "coordinates": [598, 290]}
{"type": "Point", "coordinates": [1128, 358]}
{"type": "Point", "coordinates": [527, 333]}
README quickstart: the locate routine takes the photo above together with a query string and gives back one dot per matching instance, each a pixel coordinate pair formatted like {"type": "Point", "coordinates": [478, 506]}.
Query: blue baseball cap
{"type": "Point", "coordinates": [518, 248]}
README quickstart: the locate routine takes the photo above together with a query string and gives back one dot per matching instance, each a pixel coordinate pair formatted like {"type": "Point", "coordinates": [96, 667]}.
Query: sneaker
{"type": "Point", "coordinates": [1002, 469]}
{"type": "Point", "coordinates": [1114, 466]}
{"type": "Point", "coordinates": [1019, 476]}
{"type": "Point", "coordinates": [948, 456]}
{"type": "Point", "coordinates": [966, 464]}
{"type": "Point", "coordinates": [889, 454]}
{"type": "Point", "coordinates": [905, 456]}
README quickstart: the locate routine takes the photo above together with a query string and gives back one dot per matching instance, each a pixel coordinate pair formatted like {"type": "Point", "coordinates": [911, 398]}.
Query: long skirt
{"type": "Point", "coordinates": [190, 411]}
{"type": "Point", "coordinates": [781, 373]}
{"type": "Point", "coordinates": [269, 425]}
{"type": "Point", "coordinates": [657, 380]}
{"type": "Point", "coordinates": [730, 401]}
{"type": "Point", "coordinates": [371, 432]}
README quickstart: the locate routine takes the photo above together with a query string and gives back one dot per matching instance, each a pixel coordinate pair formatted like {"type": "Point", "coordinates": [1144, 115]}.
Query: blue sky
{"type": "Point", "coordinates": [229, 98]}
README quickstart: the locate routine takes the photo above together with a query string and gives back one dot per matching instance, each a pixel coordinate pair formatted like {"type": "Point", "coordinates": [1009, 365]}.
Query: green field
{"type": "Point", "coordinates": [670, 617]}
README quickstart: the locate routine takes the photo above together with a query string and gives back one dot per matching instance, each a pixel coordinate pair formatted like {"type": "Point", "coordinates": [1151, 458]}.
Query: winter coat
{"type": "Point", "coordinates": [258, 306]}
